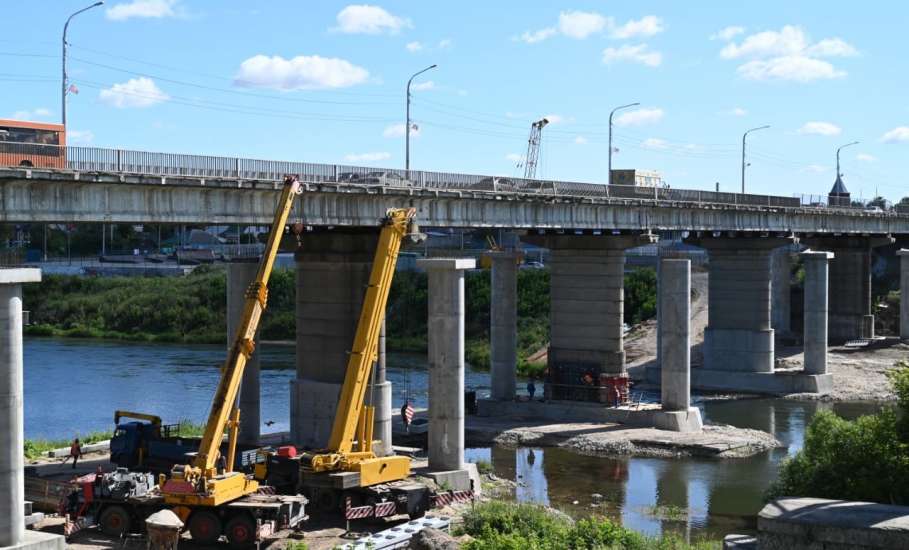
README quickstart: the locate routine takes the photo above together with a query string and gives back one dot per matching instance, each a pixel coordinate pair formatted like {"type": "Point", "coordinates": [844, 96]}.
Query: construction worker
{"type": "Point", "coordinates": [75, 451]}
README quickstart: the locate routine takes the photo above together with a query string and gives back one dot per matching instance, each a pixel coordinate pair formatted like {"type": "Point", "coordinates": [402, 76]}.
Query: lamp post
{"type": "Point", "coordinates": [841, 147]}
{"type": "Point", "coordinates": [609, 176]}
{"type": "Point", "coordinates": [743, 152]}
{"type": "Point", "coordinates": [407, 122]}
{"type": "Point", "coordinates": [63, 83]}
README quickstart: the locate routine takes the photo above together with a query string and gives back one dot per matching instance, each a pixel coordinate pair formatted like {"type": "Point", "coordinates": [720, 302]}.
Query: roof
{"type": "Point", "coordinates": [839, 188]}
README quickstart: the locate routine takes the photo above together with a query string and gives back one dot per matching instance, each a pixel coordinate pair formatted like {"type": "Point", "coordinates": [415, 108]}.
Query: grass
{"type": "Point", "coordinates": [38, 448]}
{"type": "Point", "coordinates": [484, 467]}
{"type": "Point", "coordinates": [501, 525]}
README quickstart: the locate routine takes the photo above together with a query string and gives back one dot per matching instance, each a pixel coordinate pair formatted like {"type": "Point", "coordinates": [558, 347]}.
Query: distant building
{"type": "Point", "coordinates": [839, 195]}
{"type": "Point", "coordinates": [638, 178]}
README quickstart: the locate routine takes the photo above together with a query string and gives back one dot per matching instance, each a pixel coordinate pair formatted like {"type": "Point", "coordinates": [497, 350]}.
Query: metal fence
{"type": "Point", "coordinates": [94, 159]}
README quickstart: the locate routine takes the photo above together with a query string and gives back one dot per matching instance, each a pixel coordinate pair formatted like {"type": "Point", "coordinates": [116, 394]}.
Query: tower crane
{"type": "Point", "coordinates": [533, 148]}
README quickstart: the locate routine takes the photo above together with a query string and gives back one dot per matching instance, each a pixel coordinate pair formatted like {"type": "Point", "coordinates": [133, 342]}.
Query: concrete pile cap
{"type": "Point", "coordinates": [15, 275]}
{"type": "Point", "coordinates": [817, 255]}
{"type": "Point", "coordinates": [447, 263]}
{"type": "Point", "coordinates": [902, 252]}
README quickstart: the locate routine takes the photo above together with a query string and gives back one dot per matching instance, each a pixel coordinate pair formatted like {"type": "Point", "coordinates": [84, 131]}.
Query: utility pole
{"type": "Point", "coordinates": [407, 121]}
{"type": "Point", "coordinates": [743, 152]}
{"type": "Point", "coordinates": [609, 176]}
{"type": "Point", "coordinates": [63, 84]}
{"type": "Point", "coordinates": [533, 148]}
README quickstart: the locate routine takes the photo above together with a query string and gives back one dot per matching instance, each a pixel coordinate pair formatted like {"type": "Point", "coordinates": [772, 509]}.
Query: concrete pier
{"type": "Point", "coordinates": [675, 342]}
{"type": "Point", "coordinates": [239, 277]}
{"type": "Point", "coordinates": [379, 396]}
{"type": "Point", "coordinates": [904, 294]}
{"type": "Point", "coordinates": [332, 273]}
{"type": "Point", "coordinates": [816, 310]}
{"type": "Point", "coordinates": [503, 331]}
{"type": "Point", "coordinates": [739, 335]}
{"type": "Point", "coordinates": [781, 291]}
{"type": "Point", "coordinates": [12, 473]}
{"type": "Point", "coordinates": [446, 361]}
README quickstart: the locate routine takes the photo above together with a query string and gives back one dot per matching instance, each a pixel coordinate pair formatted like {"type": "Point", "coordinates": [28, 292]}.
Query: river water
{"type": "Point", "coordinates": [73, 387]}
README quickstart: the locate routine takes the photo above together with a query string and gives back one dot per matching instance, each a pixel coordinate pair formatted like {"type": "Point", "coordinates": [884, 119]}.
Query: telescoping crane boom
{"type": "Point", "coordinates": [200, 483]}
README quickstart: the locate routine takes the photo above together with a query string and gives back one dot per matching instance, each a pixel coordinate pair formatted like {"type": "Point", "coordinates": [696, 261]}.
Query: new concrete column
{"type": "Point", "coordinates": [380, 394]}
{"type": "Point", "coordinates": [12, 480]}
{"type": "Point", "coordinates": [332, 273]}
{"type": "Point", "coordinates": [739, 336]}
{"type": "Point", "coordinates": [503, 329]}
{"type": "Point", "coordinates": [239, 277]}
{"type": "Point", "coordinates": [904, 294]}
{"type": "Point", "coordinates": [850, 316]}
{"type": "Point", "coordinates": [446, 361]}
{"type": "Point", "coordinates": [816, 309]}
{"type": "Point", "coordinates": [781, 290]}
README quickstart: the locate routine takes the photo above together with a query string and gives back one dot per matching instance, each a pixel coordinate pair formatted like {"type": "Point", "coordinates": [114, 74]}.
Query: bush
{"type": "Point", "coordinates": [866, 459]}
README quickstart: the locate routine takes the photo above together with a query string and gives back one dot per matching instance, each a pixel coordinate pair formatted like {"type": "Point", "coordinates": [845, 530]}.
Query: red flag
{"type": "Point", "coordinates": [73, 89]}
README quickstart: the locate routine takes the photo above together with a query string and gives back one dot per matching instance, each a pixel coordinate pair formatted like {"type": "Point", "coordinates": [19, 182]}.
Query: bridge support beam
{"type": "Point", "coordinates": [904, 294]}
{"type": "Point", "coordinates": [781, 291]}
{"type": "Point", "coordinates": [332, 273]}
{"type": "Point", "coordinates": [850, 315]}
{"type": "Point", "coordinates": [816, 310]}
{"type": "Point", "coordinates": [503, 316]}
{"type": "Point", "coordinates": [446, 365]}
{"type": "Point", "coordinates": [239, 276]}
{"type": "Point", "coordinates": [587, 291]}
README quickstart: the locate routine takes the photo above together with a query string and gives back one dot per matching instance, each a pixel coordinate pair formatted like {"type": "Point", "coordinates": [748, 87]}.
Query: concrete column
{"type": "Point", "coordinates": [332, 273]}
{"type": "Point", "coordinates": [850, 316]}
{"type": "Point", "coordinates": [816, 306]}
{"type": "Point", "coordinates": [739, 336]}
{"type": "Point", "coordinates": [446, 361]}
{"type": "Point", "coordinates": [904, 294]}
{"type": "Point", "coordinates": [781, 290]}
{"type": "Point", "coordinates": [587, 292]}
{"type": "Point", "coordinates": [12, 480]}
{"type": "Point", "coordinates": [675, 329]}
{"type": "Point", "coordinates": [380, 392]}
{"type": "Point", "coordinates": [239, 277]}
{"type": "Point", "coordinates": [503, 330]}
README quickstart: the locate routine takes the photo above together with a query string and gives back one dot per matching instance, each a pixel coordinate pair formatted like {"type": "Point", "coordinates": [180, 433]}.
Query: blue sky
{"type": "Point", "coordinates": [324, 82]}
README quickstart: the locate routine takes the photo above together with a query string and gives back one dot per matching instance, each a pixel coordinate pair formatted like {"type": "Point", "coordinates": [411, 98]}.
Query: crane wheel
{"type": "Point", "coordinates": [205, 527]}
{"type": "Point", "coordinates": [115, 521]}
{"type": "Point", "coordinates": [240, 531]}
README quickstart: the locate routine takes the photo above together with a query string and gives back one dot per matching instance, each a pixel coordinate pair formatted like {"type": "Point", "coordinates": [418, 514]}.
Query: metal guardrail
{"type": "Point", "coordinates": [123, 161]}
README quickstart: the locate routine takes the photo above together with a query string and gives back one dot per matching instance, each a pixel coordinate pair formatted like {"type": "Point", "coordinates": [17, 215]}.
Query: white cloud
{"type": "Point", "coordinates": [304, 72]}
{"type": "Point", "coordinates": [816, 169]}
{"type": "Point", "coordinates": [787, 54]}
{"type": "Point", "coordinates": [581, 24]}
{"type": "Point", "coordinates": [514, 157]}
{"type": "Point", "coordinates": [445, 43]}
{"type": "Point", "coordinates": [366, 19]}
{"type": "Point", "coordinates": [580, 140]}
{"type": "Point", "coordinates": [34, 114]}
{"type": "Point", "coordinates": [900, 134]}
{"type": "Point", "coordinates": [536, 36]}
{"type": "Point", "coordinates": [639, 117]}
{"type": "Point", "coordinates": [817, 128]}
{"type": "Point", "coordinates": [635, 54]}
{"type": "Point", "coordinates": [423, 86]}
{"type": "Point", "coordinates": [646, 26]}
{"type": "Point", "coordinates": [654, 143]}
{"type": "Point", "coordinates": [727, 33]}
{"type": "Point", "coordinates": [155, 9]}
{"type": "Point", "coordinates": [397, 130]}
{"type": "Point", "coordinates": [366, 157]}
{"type": "Point", "coordinates": [414, 47]}
{"type": "Point", "coordinates": [79, 137]}
{"type": "Point", "coordinates": [865, 157]}
{"type": "Point", "coordinates": [738, 111]}
{"type": "Point", "coordinates": [137, 92]}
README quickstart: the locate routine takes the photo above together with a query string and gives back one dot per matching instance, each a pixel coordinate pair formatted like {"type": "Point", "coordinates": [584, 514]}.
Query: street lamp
{"type": "Point", "coordinates": [841, 147]}
{"type": "Point", "coordinates": [407, 123]}
{"type": "Point", "coordinates": [63, 83]}
{"type": "Point", "coordinates": [743, 152]}
{"type": "Point", "coordinates": [609, 177]}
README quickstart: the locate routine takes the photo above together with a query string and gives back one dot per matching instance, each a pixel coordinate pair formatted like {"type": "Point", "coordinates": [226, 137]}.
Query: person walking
{"type": "Point", "coordinates": [75, 451]}
{"type": "Point", "coordinates": [531, 389]}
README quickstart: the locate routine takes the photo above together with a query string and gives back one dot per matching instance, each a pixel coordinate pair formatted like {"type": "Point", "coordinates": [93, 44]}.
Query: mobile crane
{"type": "Point", "coordinates": [207, 495]}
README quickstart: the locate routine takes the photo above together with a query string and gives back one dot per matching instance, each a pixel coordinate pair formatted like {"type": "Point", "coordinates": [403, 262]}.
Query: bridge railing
{"type": "Point", "coordinates": [124, 161]}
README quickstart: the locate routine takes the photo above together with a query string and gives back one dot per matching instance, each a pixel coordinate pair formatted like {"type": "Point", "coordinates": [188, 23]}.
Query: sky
{"type": "Point", "coordinates": [324, 82]}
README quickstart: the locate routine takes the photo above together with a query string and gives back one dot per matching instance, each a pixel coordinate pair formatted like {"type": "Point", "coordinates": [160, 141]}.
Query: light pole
{"type": "Point", "coordinates": [63, 83]}
{"type": "Point", "coordinates": [407, 122]}
{"type": "Point", "coordinates": [743, 152]}
{"type": "Point", "coordinates": [609, 176]}
{"type": "Point", "coordinates": [841, 147]}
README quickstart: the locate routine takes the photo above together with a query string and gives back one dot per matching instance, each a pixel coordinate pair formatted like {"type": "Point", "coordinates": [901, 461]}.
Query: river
{"type": "Point", "coordinates": [73, 387]}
